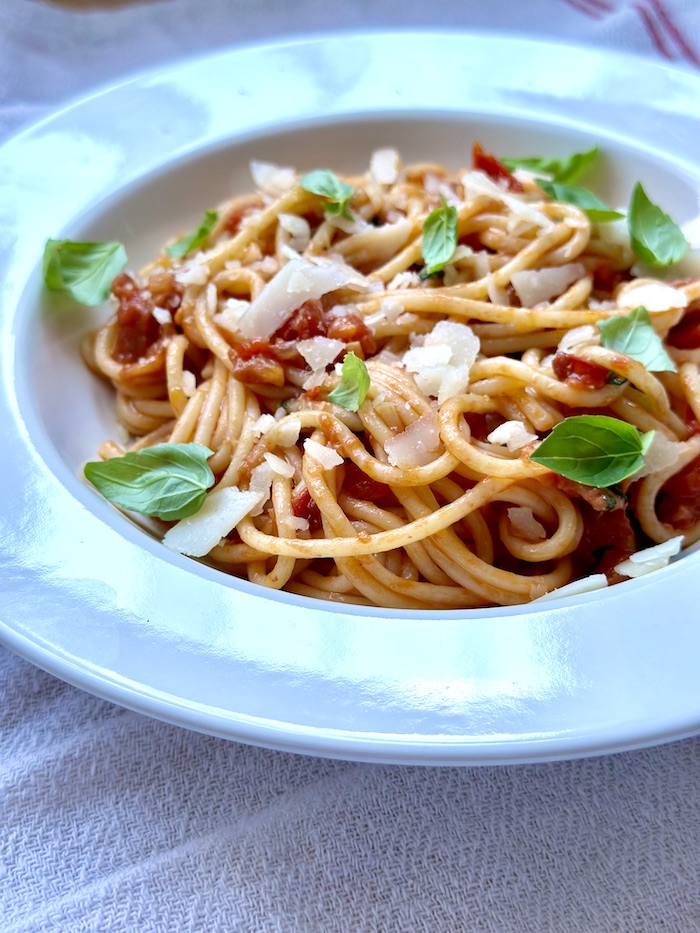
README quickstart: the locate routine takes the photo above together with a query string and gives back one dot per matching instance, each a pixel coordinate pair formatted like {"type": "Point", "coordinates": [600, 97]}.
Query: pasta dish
{"type": "Point", "coordinates": [412, 388]}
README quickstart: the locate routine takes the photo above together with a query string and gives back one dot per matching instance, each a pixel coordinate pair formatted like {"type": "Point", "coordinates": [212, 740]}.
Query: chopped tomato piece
{"type": "Point", "coordinates": [304, 506]}
{"type": "Point", "coordinates": [579, 373]}
{"type": "Point", "coordinates": [490, 165]}
{"type": "Point", "coordinates": [137, 329]}
{"type": "Point", "coordinates": [679, 500]}
{"type": "Point", "coordinates": [686, 334]}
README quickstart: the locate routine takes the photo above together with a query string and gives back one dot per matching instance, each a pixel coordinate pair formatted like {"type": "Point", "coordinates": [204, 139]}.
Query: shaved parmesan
{"type": "Point", "coordinates": [596, 581]}
{"type": "Point", "coordinates": [263, 424]}
{"type": "Point", "coordinates": [189, 383]}
{"type": "Point", "coordinates": [404, 280]}
{"type": "Point", "coordinates": [511, 434]}
{"type": "Point", "coordinates": [381, 243]}
{"type": "Point", "coordinates": [296, 226]}
{"type": "Point", "coordinates": [296, 282]}
{"type": "Point", "coordinates": [162, 315]}
{"type": "Point", "coordinates": [524, 523]}
{"type": "Point", "coordinates": [320, 352]}
{"type": "Point", "coordinates": [651, 558]}
{"type": "Point", "coordinates": [273, 179]}
{"type": "Point", "coordinates": [477, 184]}
{"type": "Point", "coordinates": [441, 364]}
{"type": "Point", "coordinates": [288, 432]}
{"type": "Point", "coordinates": [654, 296]}
{"type": "Point", "coordinates": [195, 273]}
{"type": "Point", "coordinates": [326, 456]}
{"type": "Point", "coordinates": [279, 466]}
{"type": "Point", "coordinates": [662, 453]}
{"type": "Point", "coordinates": [417, 445]}
{"type": "Point", "coordinates": [384, 166]}
{"type": "Point", "coordinates": [261, 484]}
{"type": "Point", "coordinates": [586, 335]}
{"type": "Point", "coordinates": [221, 512]}
{"type": "Point", "coordinates": [228, 318]}
{"type": "Point", "coordinates": [534, 286]}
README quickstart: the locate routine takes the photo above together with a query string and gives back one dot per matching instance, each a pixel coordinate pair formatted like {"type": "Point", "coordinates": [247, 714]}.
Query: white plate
{"type": "Point", "coordinates": [94, 600]}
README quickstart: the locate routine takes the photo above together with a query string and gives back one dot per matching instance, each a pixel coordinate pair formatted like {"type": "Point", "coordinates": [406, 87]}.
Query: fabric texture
{"type": "Point", "coordinates": [111, 822]}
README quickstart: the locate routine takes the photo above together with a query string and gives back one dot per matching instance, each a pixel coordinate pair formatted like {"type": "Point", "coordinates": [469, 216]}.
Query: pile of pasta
{"type": "Point", "coordinates": [420, 491]}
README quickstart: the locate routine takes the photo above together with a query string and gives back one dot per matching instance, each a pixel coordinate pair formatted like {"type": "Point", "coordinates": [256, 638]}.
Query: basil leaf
{"type": "Point", "coordinates": [564, 171]}
{"type": "Point", "coordinates": [633, 334]}
{"type": "Point", "coordinates": [328, 185]}
{"type": "Point", "coordinates": [82, 270]}
{"type": "Point", "coordinates": [595, 209]}
{"type": "Point", "coordinates": [352, 389]}
{"type": "Point", "coordinates": [655, 238]}
{"type": "Point", "coordinates": [439, 238]}
{"type": "Point", "coordinates": [169, 481]}
{"type": "Point", "coordinates": [595, 450]}
{"type": "Point", "coordinates": [186, 244]}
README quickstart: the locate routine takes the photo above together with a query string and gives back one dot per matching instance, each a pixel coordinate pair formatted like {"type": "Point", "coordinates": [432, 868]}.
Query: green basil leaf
{"type": "Point", "coordinates": [82, 270]}
{"type": "Point", "coordinates": [655, 238]}
{"type": "Point", "coordinates": [352, 389]}
{"type": "Point", "coordinates": [169, 481]}
{"type": "Point", "coordinates": [439, 238]}
{"type": "Point", "coordinates": [328, 185]}
{"type": "Point", "coordinates": [633, 334]}
{"type": "Point", "coordinates": [191, 241]}
{"type": "Point", "coordinates": [595, 450]}
{"type": "Point", "coordinates": [564, 171]}
{"type": "Point", "coordinates": [595, 209]}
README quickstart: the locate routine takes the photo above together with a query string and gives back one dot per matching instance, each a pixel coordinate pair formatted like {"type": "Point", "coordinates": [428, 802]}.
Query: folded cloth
{"type": "Point", "coordinates": [112, 822]}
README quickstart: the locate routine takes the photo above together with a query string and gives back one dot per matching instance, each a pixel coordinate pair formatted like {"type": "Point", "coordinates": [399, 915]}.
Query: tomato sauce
{"type": "Point", "coordinates": [137, 329]}
{"type": "Point", "coordinates": [579, 373]}
{"type": "Point", "coordinates": [678, 503]}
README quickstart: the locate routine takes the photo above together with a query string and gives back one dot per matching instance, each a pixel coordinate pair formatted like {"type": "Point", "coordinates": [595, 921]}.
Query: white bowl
{"type": "Point", "coordinates": [91, 597]}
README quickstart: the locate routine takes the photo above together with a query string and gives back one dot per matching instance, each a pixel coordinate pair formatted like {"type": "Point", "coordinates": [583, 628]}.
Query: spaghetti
{"type": "Point", "coordinates": [423, 491]}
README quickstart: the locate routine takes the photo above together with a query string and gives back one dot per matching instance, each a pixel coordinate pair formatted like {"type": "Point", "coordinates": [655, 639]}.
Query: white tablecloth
{"type": "Point", "coordinates": [112, 822]}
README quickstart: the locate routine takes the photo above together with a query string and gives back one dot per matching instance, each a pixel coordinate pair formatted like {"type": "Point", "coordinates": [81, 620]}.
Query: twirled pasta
{"type": "Point", "coordinates": [449, 515]}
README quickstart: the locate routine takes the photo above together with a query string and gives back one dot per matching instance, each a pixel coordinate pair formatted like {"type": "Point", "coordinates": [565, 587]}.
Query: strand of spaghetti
{"type": "Point", "coordinates": [435, 301]}
{"type": "Point", "coordinates": [491, 583]}
{"type": "Point", "coordinates": [136, 416]}
{"type": "Point", "coordinates": [564, 541]}
{"type": "Point", "coordinates": [211, 409]}
{"type": "Point", "coordinates": [284, 567]}
{"type": "Point", "coordinates": [456, 435]}
{"type": "Point", "coordinates": [297, 200]}
{"type": "Point", "coordinates": [639, 376]}
{"type": "Point", "coordinates": [381, 518]}
{"type": "Point", "coordinates": [542, 382]}
{"type": "Point", "coordinates": [367, 573]}
{"type": "Point", "coordinates": [174, 373]}
{"type": "Point", "coordinates": [382, 541]}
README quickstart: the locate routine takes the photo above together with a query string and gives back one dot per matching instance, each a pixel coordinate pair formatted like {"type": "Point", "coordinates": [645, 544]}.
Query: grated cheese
{"type": "Point", "coordinates": [221, 512]}
{"type": "Point", "coordinates": [296, 282]}
{"type": "Point", "coordinates": [651, 558]}
{"type": "Point", "coordinates": [326, 456]}
{"type": "Point", "coordinates": [596, 581]}
{"type": "Point", "coordinates": [511, 434]}
{"type": "Point", "coordinates": [384, 166]}
{"type": "Point", "coordinates": [477, 184]}
{"type": "Point", "coordinates": [534, 286]}
{"type": "Point", "coordinates": [417, 445]}
{"type": "Point", "coordinates": [273, 179]}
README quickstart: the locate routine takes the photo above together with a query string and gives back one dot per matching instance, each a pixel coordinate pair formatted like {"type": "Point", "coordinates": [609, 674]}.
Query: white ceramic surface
{"type": "Point", "coordinates": [90, 597]}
